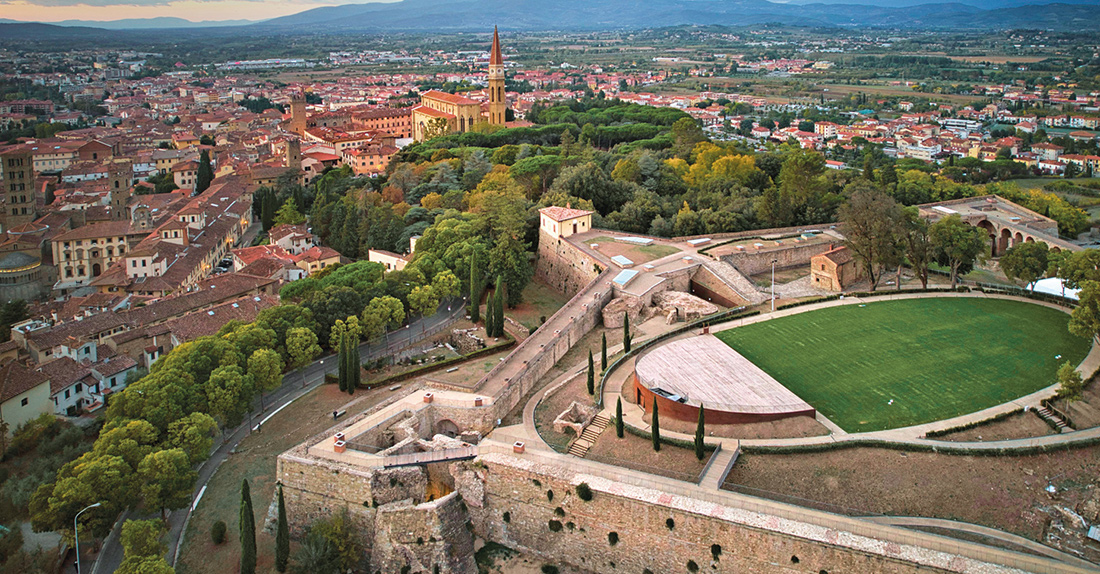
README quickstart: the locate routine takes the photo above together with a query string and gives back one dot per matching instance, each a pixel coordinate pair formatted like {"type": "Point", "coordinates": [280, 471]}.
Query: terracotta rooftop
{"type": "Point", "coordinates": [563, 213]}
{"type": "Point", "coordinates": [449, 98]}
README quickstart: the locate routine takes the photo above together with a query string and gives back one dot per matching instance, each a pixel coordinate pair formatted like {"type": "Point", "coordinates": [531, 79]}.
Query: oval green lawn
{"type": "Point", "coordinates": [935, 358]}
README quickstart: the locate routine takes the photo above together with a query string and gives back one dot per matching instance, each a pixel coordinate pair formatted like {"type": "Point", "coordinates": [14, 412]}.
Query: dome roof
{"type": "Point", "coordinates": [17, 259]}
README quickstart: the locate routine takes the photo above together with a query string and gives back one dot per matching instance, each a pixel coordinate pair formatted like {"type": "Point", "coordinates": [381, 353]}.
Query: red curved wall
{"type": "Point", "coordinates": [689, 413]}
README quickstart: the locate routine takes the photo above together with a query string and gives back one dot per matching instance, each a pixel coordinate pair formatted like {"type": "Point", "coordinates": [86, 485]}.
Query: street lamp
{"type": "Point", "coordinates": [774, 261]}
{"type": "Point", "coordinates": [76, 534]}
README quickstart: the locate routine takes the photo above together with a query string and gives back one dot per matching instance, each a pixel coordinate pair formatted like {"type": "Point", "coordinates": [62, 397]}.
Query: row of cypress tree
{"type": "Point", "coordinates": [248, 533]}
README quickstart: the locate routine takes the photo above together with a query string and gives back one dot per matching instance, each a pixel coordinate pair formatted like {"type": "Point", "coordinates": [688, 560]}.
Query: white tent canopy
{"type": "Point", "coordinates": [1053, 286]}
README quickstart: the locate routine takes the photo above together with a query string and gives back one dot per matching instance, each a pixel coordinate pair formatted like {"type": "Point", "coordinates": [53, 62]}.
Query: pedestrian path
{"type": "Point", "coordinates": [719, 466]}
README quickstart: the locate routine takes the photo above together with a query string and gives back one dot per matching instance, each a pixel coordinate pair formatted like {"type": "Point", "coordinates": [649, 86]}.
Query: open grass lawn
{"type": "Point", "coordinates": [934, 358]}
{"type": "Point", "coordinates": [540, 301]}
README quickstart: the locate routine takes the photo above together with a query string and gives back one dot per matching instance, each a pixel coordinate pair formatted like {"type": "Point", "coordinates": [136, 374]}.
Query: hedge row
{"type": "Point", "coordinates": [944, 448]}
{"type": "Point", "coordinates": [432, 367]}
{"type": "Point", "coordinates": [974, 424]}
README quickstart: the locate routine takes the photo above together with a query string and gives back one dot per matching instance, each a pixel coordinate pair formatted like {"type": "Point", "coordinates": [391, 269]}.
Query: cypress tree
{"type": "Point", "coordinates": [498, 321]}
{"type": "Point", "coordinates": [205, 174]}
{"type": "Point", "coordinates": [603, 352]}
{"type": "Point", "coordinates": [490, 312]}
{"type": "Point", "coordinates": [656, 428]}
{"type": "Point", "coordinates": [353, 364]}
{"type": "Point", "coordinates": [699, 436]}
{"type": "Point", "coordinates": [475, 291]}
{"type": "Point", "coordinates": [267, 209]}
{"type": "Point", "coordinates": [619, 417]}
{"type": "Point", "coordinates": [591, 375]}
{"type": "Point", "coordinates": [282, 536]}
{"type": "Point", "coordinates": [342, 359]}
{"type": "Point", "coordinates": [248, 532]}
{"type": "Point", "coordinates": [626, 332]}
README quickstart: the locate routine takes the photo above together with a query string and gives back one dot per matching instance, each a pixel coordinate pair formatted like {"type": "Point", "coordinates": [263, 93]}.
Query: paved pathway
{"type": "Point", "coordinates": [1020, 541]}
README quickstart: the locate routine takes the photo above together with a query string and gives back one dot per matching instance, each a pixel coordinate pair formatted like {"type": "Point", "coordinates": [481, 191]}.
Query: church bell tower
{"type": "Point", "coordinates": [498, 103]}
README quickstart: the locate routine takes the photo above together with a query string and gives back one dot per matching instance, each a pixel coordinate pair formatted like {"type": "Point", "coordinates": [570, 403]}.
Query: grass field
{"type": "Point", "coordinates": [935, 358]}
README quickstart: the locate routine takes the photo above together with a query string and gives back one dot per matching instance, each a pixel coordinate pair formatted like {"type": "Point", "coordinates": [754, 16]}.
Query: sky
{"type": "Point", "coordinates": [194, 10]}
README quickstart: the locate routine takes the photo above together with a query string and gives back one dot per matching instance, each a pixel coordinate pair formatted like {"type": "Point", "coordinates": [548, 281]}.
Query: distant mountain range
{"type": "Point", "coordinates": [536, 15]}
{"type": "Point", "coordinates": [455, 15]}
{"type": "Point", "coordinates": [143, 23]}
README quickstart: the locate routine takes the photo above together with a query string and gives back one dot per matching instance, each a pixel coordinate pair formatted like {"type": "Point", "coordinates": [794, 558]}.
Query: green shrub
{"type": "Point", "coordinates": [670, 523]}
{"type": "Point", "coordinates": [507, 517]}
{"type": "Point", "coordinates": [217, 532]}
{"type": "Point", "coordinates": [584, 492]}
{"type": "Point", "coordinates": [715, 550]}
{"type": "Point", "coordinates": [692, 566]}
{"type": "Point", "coordinates": [549, 569]}
{"type": "Point", "coordinates": [554, 526]}
{"type": "Point", "coordinates": [612, 538]}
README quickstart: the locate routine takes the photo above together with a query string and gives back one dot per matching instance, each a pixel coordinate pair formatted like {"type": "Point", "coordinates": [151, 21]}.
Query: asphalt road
{"type": "Point", "coordinates": [295, 385]}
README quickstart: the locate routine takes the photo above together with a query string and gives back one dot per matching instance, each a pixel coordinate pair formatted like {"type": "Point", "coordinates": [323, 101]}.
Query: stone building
{"type": "Point", "coordinates": [17, 171]}
{"type": "Point", "coordinates": [834, 270]}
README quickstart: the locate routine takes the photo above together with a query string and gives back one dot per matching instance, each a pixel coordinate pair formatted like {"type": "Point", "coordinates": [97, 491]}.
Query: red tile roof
{"type": "Point", "coordinates": [449, 98]}
{"type": "Point", "coordinates": [563, 213]}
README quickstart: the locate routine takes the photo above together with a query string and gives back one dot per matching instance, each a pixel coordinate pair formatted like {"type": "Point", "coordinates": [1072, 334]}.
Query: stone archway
{"type": "Point", "coordinates": [96, 269]}
{"type": "Point", "coordinates": [1017, 239]}
{"type": "Point", "coordinates": [988, 227]}
{"type": "Point", "coordinates": [447, 427]}
{"type": "Point", "coordinates": [1003, 242]}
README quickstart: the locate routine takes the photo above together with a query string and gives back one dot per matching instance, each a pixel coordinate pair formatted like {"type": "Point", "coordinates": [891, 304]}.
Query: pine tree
{"type": "Point", "coordinates": [248, 532]}
{"type": "Point", "coordinates": [619, 417]}
{"type": "Point", "coordinates": [699, 436]}
{"type": "Point", "coordinates": [603, 352]}
{"type": "Point", "coordinates": [591, 375]}
{"type": "Point", "coordinates": [205, 174]}
{"type": "Point", "coordinates": [626, 332]}
{"type": "Point", "coordinates": [655, 429]}
{"type": "Point", "coordinates": [475, 291]}
{"type": "Point", "coordinates": [282, 536]}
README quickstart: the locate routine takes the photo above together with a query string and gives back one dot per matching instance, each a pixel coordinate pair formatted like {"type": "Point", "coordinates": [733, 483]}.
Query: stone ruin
{"type": "Point", "coordinates": [576, 417]}
{"type": "Point", "coordinates": [613, 311]}
{"type": "Point", "coordinates": [466, 341]}
{"type": "Point", "coordinates": [680, 306]}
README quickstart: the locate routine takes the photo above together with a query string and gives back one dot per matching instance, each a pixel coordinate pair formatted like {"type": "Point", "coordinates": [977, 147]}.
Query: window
{"type": "Point", "coordinates": [24, 402]}
{"type": "Point", "coordinates": [79, 387]}
{"type": "Point", "coordinates": [66, 393]}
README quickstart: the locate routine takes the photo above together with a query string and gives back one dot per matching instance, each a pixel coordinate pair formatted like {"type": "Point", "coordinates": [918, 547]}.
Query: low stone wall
{"type": "Point", "coordinates": [750, 263]}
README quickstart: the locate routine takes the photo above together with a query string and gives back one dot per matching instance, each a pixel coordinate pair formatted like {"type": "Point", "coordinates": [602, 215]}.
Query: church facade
{"type": "Point", "coordinates": [441, 113]}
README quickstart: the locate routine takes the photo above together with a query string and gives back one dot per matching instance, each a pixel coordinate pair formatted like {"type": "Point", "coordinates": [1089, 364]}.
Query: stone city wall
{"type": "Point", "coordinates": [314, 488]}
{"type": "Point", "coordinates": [535, 509]}
{"type": "Point", "coordinates": [428, 537]}
{"type": "Point", "coordinates": [750, 263]}
{"type": "Point", "coordinates": [585, 317]}
{"type": "Point", "coordinates": [563, 266]}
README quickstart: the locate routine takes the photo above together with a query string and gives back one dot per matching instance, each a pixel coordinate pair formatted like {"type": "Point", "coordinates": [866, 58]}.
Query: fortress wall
{"type": "Point", "coordinates": [751, 263]}
{"type": "Point", "coordinates": [499, 484]}
{"type": "Point", "coordinates": [429, 537]}
{"type": "Point", "coordinates": [314, 488]}
{"type": "Point", "coordinates": [562, 266]}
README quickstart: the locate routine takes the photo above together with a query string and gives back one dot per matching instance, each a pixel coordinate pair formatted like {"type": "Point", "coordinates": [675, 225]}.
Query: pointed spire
{"type": "Point", "coordinates": [495, 58]}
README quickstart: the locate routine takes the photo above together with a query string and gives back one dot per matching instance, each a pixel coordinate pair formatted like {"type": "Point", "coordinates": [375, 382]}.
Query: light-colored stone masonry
{"type": "Point", "coordinates": [497, 484]}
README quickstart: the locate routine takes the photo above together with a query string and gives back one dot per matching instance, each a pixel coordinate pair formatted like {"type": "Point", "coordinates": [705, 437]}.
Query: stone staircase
{"type": "Point", "coordinates": [1053, 418]}
{"type": "Point", "coordinates": [719, 467]}
{"type": "Point", "coordinates": [580, 447]}
{"type": "Point", "coordinates": [733, 278]}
